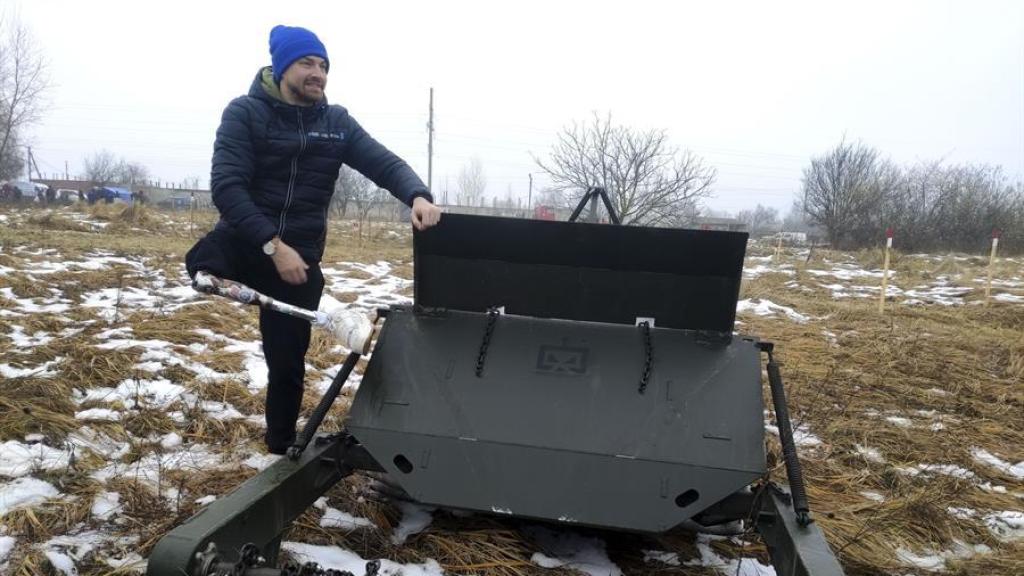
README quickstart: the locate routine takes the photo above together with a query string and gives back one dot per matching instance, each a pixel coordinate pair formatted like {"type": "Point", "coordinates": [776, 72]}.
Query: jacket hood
{"type": "Point", "coordinates": [264, 88]}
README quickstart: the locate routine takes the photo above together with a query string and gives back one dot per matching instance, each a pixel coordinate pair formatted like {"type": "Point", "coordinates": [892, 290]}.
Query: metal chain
{"type": "Point", "coordinates": [250, 558]}
{"type": "Point", "coordinates": [251, 555]}
{"type": "Point", "coordinates": [645, 329]}
{"type": "Point", "coordinates": [492, 318]}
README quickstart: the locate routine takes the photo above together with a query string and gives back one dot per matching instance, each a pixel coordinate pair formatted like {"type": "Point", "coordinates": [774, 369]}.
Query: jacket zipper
{"type": "Point", "coordinates": [291, 178]}
{"type": "Point", "coordinates": [323, 237]}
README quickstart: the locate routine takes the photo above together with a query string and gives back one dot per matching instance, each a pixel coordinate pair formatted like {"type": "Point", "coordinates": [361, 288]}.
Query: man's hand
{"type": "Point", "coordinates": [290, 266]}
{"type": "Point", "coordinates": [424, 214]}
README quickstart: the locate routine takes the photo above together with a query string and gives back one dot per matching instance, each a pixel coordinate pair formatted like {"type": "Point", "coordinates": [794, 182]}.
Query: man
{"type": "Point", "coordinates": [276, 156]}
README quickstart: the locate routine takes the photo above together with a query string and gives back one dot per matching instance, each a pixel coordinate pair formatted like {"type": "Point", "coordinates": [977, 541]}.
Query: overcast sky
{"type": "Point", "coordinates": [755, 88]}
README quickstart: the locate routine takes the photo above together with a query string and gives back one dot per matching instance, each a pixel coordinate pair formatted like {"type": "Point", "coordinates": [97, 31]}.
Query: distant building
{"type": "Point", "coordinates": [793, 237]}
{"type": "Point", "coordinates": [724, 224]}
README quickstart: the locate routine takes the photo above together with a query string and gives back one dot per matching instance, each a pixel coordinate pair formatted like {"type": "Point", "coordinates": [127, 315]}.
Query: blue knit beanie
{"type": "Point", "coordinates": [289, 43]}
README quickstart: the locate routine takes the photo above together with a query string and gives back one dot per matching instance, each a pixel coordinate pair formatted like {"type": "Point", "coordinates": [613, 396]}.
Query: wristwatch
{"type": "Point", "coordinates": [270, 247]}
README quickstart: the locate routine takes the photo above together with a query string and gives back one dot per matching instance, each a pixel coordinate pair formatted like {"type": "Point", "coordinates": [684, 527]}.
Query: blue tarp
{"type": "Point", "coordinates": [109, 194]}
{"type": "Point", "coordinates": [119, 193]}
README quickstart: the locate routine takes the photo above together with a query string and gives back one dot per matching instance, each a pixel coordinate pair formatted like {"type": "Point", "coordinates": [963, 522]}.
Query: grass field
{"type": "Point", "coordinates": [127, 402]}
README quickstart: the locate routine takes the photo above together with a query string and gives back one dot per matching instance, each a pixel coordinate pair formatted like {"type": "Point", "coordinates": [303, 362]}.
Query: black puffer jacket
{"type": "Point", "coordinates": [274, 167]}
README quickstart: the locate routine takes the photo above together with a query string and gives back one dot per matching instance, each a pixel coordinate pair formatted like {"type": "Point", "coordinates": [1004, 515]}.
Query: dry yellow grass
{"type": "Point", "coordinates": [847, 369]}
{"type": "Point", "coordinates": [893, 364]}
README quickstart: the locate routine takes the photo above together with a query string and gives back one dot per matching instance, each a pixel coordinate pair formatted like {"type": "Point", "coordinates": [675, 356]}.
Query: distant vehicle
{"type": "Point", "coordinates": [67, 194]}
{"type": "Point", "coordinates": [544, 213]}
{"type": "Point", "coordinates": [28, 189]}
{"type": "Point", "coordinates": [797, 238]}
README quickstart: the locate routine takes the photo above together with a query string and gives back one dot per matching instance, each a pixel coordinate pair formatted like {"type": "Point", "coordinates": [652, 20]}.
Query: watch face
{"type": "Point", "coordinates": [268, 248]}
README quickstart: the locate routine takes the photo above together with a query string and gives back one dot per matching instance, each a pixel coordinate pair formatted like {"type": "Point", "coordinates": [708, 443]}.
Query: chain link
{"type": "Point", "coordinates": [645, 329]}
{"type": "Point", "coordinates": [492, 318]}
{"type": "Point", "coordinates": [250, 558]}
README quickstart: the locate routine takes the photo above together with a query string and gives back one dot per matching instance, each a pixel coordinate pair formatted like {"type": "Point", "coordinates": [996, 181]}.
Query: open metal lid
{"type": "Point", "coordinates": [684, 279]}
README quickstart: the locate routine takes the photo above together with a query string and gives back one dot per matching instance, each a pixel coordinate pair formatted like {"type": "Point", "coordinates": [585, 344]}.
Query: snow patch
{"type": "Point", "coordinates": [415, 518]}
{"type": "Point", "coordinates": [762, 307]}
{"type": "Point", "coordinates": [669, 558]}
{"type": "Point", "coordinates": [334, 518]}
{"type": "Point", "coordinates": [24, 492]}
{"type": "Point", "coordinates": [261, 461]}
{"type": "Point", "coordinates": [41, 371]}
{"type": "Point", "coordinates": [873, 496]}
{"type": "Point", "coordinates": [333, 557]}
{"type": "Point", "coordinates": [932, 469]}
{"type": "Point", "coordinates": [1007, 525]}
{"type": "Point", "coordinates": [106, 505]}
{"type": "Point", "coordinates": [802, 437]}
{"type": "Point", "coordinates": [736, 567]}
{"type": "Point", "coordinates": [18, 459]}
{"type": "Point", "coordinates": [935, 561]}
{"type": "Point", "coordinates": [869, 454]}
{"type": "Point", "coordinates": [103, 414]}
{"type": "Point", "coordinates": [571, 550]}
{"type": "Point", "coordinates": [985, 457]}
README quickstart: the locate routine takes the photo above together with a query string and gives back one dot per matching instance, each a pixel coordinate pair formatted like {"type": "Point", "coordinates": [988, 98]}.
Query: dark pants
{"type": "Point", "coordinates": [285, 338]}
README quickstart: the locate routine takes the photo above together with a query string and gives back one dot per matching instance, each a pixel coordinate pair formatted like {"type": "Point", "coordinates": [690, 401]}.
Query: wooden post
{"type": "Point", "coordinates": [991, 263]}
{"type": "Point", "coordinates": [885, 270]}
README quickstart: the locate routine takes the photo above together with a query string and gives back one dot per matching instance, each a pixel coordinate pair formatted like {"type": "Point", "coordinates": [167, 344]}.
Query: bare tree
{"type": "Point", "coordinates": [102, 168]}
{"type": "Point", "coordinates": [472, 183]}
{"type": "Point", "coordinates": [191, 182]}
{"type": "Point", "coordinates": [956, 206]}
{"type": "Point", "coordinates": [649, 181]}
{"type": "Point", "coordinates": [761, 220]}
{"type": "Point", "coordinates": [11, 162]}
{"type": "Point", "coordinates": [844, 190]}
{"type": "Point", "coordinates": [23, 84]}
{"type": "Point", "coordinates": [854, 195]}
{"type": "Point", "coordinates": [347, 186]}
{"type": "Point", "coordinates": [359, 191]}
{"type": "Point", "coordinates": [131, 173]}
{"type": "Point", "coordinates": [794, 220]}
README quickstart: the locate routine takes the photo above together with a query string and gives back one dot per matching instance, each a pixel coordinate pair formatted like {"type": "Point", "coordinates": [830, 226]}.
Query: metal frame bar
{"type": "Point", "coordinates": [591, 196]}
{"type": "Point", "coordinates": [261, 509]}
{"type": "Point", "coordinates": [795, 549]}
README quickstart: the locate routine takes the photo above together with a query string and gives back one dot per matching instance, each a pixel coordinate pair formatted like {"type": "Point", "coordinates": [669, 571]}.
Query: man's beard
{"type": "Point", "coordinates": [305, 94]}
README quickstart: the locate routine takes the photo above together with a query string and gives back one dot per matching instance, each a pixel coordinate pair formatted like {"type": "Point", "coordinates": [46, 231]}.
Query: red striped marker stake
{"type": "Point", "coordinates": [885, 270]}
{"type": "Point", "coordinates": [991, 263]}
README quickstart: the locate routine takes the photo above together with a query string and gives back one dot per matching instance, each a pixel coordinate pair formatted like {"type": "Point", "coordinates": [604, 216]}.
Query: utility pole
{"type": "Point", "coordinates": [430, 144]}
{"type": "Point", "coordinates": [66, 170]}
{"type": "Point", "coordinates": [30, 164]}
{"type": "Point", "coordinates": [529, 196]}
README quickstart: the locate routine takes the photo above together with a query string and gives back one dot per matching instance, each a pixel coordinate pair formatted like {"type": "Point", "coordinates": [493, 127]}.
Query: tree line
{"type": "Point", "coordinates": [854, 195]}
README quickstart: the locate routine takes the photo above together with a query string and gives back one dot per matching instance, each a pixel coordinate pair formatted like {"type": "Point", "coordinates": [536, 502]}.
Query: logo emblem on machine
{"type": "Point", "coordinates": [562, 360]}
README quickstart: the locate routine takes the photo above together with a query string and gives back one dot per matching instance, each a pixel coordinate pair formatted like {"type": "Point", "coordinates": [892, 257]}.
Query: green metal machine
{"type": "Point", "coordinates": [572, 373]}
